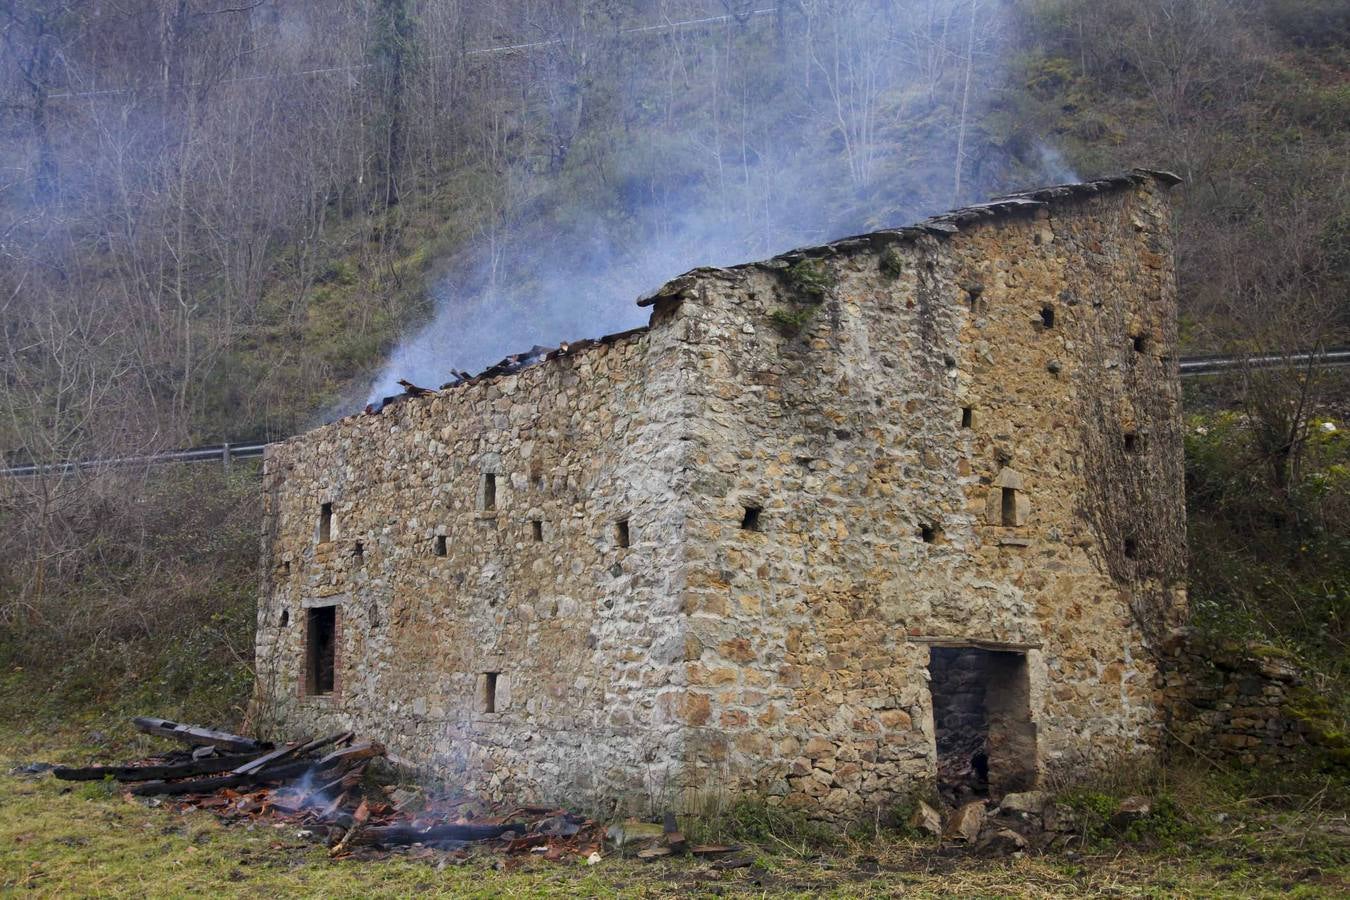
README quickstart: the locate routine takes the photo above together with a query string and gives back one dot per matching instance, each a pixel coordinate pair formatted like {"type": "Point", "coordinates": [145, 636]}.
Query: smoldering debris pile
{"type": "Point", "coordinates": [321, 787]}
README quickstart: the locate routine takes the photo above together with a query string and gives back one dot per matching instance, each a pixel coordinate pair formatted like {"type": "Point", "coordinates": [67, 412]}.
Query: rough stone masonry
{"type": "Point", "coordinates": [714, 555]}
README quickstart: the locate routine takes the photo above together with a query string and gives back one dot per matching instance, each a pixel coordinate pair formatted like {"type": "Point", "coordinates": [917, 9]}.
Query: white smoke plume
{"type": "Point", "coordinates": [848, 118]}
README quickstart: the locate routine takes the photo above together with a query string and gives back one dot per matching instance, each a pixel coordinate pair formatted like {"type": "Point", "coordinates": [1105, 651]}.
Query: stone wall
{"type": "Point", "coordinates": [532, 584]}
{"type": "Point", "coordinates": [1233, 702]}
{"type": "Point", "coordinates": [878, 407]}
{"type": "Point", "coordinates": [962, 433]}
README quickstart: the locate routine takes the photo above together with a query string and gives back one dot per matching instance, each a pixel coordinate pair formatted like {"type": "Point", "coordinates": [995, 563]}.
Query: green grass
{"type": "Point", "coordinates": [60, 839]}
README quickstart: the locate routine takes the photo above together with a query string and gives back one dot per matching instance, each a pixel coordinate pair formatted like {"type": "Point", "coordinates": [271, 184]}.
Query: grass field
{"type": "Point", "coordinates": [86, 839]}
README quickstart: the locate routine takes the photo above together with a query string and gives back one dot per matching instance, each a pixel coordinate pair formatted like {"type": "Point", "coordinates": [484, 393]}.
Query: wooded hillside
{"type": "Point", "coordinates": [221, 220]}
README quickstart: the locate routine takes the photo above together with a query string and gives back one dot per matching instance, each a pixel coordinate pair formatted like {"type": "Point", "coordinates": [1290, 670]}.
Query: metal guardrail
{"type": "Point", "coordinates": [1215, 365]}
{"type": "Point", "coordinates": [1191, 366]}
{"type": "Point", "coordinates": [225, 453]}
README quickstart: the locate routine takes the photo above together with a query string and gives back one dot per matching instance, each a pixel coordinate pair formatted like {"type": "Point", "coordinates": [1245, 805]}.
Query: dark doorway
{"type": "Point", "coordinates": [986, 742]}
{"type": "Point", "coordinates": [321, 649]}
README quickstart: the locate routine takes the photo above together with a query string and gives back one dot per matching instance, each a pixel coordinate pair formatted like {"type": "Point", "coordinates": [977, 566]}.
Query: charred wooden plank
{"type": "Point", "coordinates": [296, 749]}
{"type": "Point", "coordinates": [208, 766]}
{"type": "Point", "coordinates": [194, 735]}
{"type": "Point", "coordinates": [209, 785]}
{"type": "Point", "coordinates": [350, 756]}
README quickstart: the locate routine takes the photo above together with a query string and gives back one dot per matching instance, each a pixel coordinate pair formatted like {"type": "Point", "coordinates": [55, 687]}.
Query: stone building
{"type": "Point", "coordinates": [902, 508]}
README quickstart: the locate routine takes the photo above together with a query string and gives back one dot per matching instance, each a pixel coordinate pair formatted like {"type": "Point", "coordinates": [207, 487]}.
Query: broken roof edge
{"type": "Point", "coordinates": [943, 225]}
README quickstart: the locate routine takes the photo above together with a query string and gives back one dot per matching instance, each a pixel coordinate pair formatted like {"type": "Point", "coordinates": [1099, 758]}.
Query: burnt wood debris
{"type": "Point", "coordinates": [327, 786]}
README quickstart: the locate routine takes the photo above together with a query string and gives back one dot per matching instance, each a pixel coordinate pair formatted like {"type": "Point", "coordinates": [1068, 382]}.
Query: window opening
{"type": "Point", "coordinates": [1008, 509]}
{"type": "Point", "coordinates": [321, 649]}
{"type": "Point", "coordinates": [1140, 342]}
{"type": "Point", "coordinates": [325, 523]}
{"type": "Point", "coordinates": [967, 417]}
{"type": "Point", "coordinates": [1131, 442]}
{"type": "Point", "coordinates": [750, 520]}
{"type": "Point", "coordinates": [441, 546]}
{"type": "Point", "coordinates": [621, 534]}
{"type": "Point", "coordinates": [285, 617]}
{"type": "Point", "coordinates": [537, 530]}
{"type": "Point", "coordinates": [1048, 316]}
{"type": "Point", "coordinates": [1131, 548]}
{"type": "Point", "coordinates": [489, 490]}
{"type": "Point", "coordinates": [929, 533]}
{"type": "Point", "coordinates": [359, 552]}
{"type": "Point", "coordinates": [490, 691]}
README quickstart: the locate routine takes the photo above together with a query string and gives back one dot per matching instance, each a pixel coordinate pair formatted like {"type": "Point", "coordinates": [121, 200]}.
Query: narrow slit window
{"type": "Point", "coordinates": [285, 617]}
{"type": "Point", "coordinates": [490, 692]}
{"type": "Point", "coordinates": [325, 523]}
{"type": "Point", "coordinates": [1131, 442]}
{"type": "Point", "coordinates": [537, 530]}
{"type": "Point", "coordinates": [1131, 548]}
{"type": "Point", "coordinates": [489, 491]}
{"type": "Point", "coordinates": [441, 545]}
{"type": "Point", "coordinates": [321, 649]}
{"type": "Point", "coordinates": [286, 569]}
{"type": "Point", "coordinates": [359, 552]}
{"type": "Point", "coordinates": [967, 417]}
{"type": "Point", "coordinates": [622, 537]}
{"type": "Point", "coordinates": [1048, 316]}
{"type": "Point", "coordinates": [1008, 508]}
{"type": "Point", "coordinates": [750, 520]}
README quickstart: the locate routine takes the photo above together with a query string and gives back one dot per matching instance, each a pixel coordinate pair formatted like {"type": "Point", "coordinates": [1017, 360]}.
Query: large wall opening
{"type": "Point", "coordinates": [986, 742]}
{"type": "Point", "coordinates": [320, 649]}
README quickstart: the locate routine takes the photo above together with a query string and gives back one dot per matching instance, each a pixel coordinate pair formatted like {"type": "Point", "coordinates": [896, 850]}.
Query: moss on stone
{"type": "Point", "coordinates": [790, 322]}
{"type": "Point", "coordinates": [892, 263]}
{"type": "Point", "coordinates": [811, 279]}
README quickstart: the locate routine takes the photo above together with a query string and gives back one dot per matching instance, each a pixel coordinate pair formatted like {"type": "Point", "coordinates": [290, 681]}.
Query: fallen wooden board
{"type": "Point", "coordinates": [297, 749]}
{"type": "Point", "coordinates": [208, 766]}
{"type": "Point", "coordinates": [209, 785]}
{"type": "Point", "coordinates": [196, 736]}
{"type": "Point", "coordinates": [348, 756]}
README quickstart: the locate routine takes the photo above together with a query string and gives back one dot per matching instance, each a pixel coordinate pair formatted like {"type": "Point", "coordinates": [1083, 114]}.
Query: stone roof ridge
{"type": "Point", "coordinates": [941, 225]}
{"type": "Point", "coordinates": [509, 365]}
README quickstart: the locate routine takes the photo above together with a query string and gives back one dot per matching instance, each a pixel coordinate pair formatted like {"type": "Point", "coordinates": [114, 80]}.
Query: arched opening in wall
{"type": "Point", "coordinates": [1140, 343]}
{"type": "Point", "coordinates": [985, 740]}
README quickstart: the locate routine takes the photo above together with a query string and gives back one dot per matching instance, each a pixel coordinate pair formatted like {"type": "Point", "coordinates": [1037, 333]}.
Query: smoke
{"type": "Point", "coordinates": [1055, 166]}
{"type": "Point", "coordinates": [716, 146]}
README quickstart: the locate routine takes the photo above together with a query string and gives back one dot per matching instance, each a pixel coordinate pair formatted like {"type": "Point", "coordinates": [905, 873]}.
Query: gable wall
{"type": "Point", "coordinates": [813, 632]}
